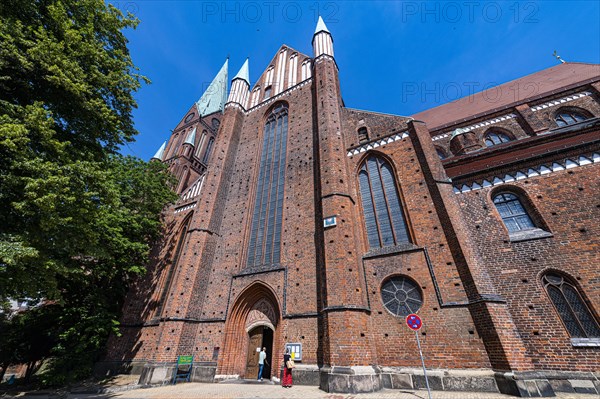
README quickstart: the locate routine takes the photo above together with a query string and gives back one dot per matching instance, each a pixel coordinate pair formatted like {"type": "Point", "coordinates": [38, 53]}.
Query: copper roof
{"type": "Point", "coordinates": [536, 85]}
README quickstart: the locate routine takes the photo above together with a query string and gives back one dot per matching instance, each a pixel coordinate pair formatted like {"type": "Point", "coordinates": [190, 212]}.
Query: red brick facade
{"type": "Point", "coordinates": [484, 303]}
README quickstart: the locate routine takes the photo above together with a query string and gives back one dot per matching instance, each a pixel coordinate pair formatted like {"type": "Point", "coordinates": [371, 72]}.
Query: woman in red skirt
{"type": "Point", "coordinates": [286, 382]}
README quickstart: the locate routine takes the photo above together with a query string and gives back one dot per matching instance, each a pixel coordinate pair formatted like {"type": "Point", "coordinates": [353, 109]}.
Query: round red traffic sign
{"type": "Point", "coordinates": [414, 322]}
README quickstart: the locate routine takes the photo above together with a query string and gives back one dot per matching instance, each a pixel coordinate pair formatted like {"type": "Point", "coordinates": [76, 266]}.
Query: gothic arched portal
{"type": "Point", "coordinates": [252, 323]}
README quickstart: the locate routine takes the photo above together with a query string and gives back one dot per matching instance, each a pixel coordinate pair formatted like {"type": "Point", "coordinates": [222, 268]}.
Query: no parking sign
{"type": "Point", "coordinates": [415, 323]}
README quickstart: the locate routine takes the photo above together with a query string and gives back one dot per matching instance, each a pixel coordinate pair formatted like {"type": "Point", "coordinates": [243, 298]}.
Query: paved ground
{"type": "Point", "coordinates": [270, 391]}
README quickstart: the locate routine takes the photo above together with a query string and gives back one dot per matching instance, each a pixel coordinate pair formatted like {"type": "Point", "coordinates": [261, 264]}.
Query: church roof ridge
{"type": "Point", "coordinates": [511, 93]}
{"type": "Point", "coordinates": [376, 112]}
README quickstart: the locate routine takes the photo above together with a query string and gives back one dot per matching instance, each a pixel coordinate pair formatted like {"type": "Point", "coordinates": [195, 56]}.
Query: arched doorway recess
{"type": "Point", "coordinates": [252, 324]}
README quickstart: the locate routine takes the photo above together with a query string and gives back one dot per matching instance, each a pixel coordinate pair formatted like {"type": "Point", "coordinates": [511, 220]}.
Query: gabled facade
{"type": "Point", "coordinates": [303, 223]}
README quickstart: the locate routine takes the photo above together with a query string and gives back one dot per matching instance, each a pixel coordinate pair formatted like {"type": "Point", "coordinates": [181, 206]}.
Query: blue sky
{"type": "Point", "coordinates": [397, 57]}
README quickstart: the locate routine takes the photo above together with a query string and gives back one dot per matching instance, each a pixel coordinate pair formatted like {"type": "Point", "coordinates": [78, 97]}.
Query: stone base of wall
{"type": "Point", "coordinates": [439, 380]}
{"type": "Point", "coordinates": [519, 384]}
{"type": "Point", "coordinates": [547, 383]}
{"type": "Point", "coordinates": [359, 379]}
{"type": "Point", "coordinates": [372, 378]}
{"type": "Point", "coordinates": [305, 374]}
{"type": "Point", "coordinates": [155, 373]}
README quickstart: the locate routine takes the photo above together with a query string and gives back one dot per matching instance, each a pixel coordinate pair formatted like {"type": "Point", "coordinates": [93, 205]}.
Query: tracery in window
{"type": "Point", "coordinates": [572, 309]}
{"type": "Point", "coordinates": [383, 212]}
{"type": "Point", "coordinates": [512, 212]}
{"type": "Point", "coordinates": [401, 296]}
{"type": "Point", "coordinates": [265, 232]}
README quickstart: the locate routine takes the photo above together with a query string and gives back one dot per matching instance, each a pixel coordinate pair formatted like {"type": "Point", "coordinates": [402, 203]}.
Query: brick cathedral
{"type": "Point", "coordinates": [307, 224]}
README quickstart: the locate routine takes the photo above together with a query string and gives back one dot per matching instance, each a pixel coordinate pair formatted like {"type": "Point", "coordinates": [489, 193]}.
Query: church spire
{"type": "Point", "coordinates": [243, 73]}
{"type": "Point", "coordinates": [321, 26]}
{"type": "Point", "coordinates": [191, 138]}
{"type": "Point", "coordinates": [214, 97]}
{"type": "Point", "coordinates": [322, 40]}
{"type": "Point", "coordinates": [160, 153]}
{"type": "Point", "coordinates": [240, 87]}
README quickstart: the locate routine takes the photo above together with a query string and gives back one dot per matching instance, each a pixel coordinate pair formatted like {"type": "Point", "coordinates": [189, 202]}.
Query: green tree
{"type": "Point", "coordinates": [76, 218]}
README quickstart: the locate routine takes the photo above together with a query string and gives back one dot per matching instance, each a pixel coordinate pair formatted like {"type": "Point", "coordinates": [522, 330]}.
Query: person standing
{"type": "Point", "coordinates": [286, 381]}
{"type": "Point", "coordinates": [262, 359]}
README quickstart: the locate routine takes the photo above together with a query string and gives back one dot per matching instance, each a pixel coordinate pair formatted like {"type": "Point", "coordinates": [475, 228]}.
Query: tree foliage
{"type": "Point", "coordinates": [76, 218]}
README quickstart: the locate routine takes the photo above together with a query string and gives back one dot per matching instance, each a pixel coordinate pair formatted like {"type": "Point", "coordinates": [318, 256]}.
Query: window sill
{"type": "Point", "coordinates": [574, 126]}
{"type": "Point", "coordinates": [531, 234]}
{"type": "Point", "coordinates": [585, 342]}
{"type": "Point", "coordinates": [392, 249]}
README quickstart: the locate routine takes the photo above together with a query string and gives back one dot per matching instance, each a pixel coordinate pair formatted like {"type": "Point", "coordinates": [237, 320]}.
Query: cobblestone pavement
{"type": "Point", "coordinates": [270, 391]}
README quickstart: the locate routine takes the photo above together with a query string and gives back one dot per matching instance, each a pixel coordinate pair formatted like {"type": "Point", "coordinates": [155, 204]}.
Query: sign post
{"type": "Point", "coordinates": [415, 323]}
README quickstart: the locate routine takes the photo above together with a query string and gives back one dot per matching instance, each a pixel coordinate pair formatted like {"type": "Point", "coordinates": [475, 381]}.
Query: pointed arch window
{"type": "Point", "coordinates": [209, 147]}
{"type": "Point", "coordinates": [306, 70]}
{"type": "Point", "coordinates": [267, 92]}
{"type": "Point", "coordinates": [255, 96]}
{"type": "Point", "coordinates": [570, 117]}
{"type": "Point", "coordinates": [572, 309]}
{"type": "Point", "coordinates": [293, 70]}
{"type": "Point", "coordinates": [512, 212]}
{"type": "Point", "coordinates": [201, 143]}
{"type": "Point", "coordinates": [495, 137]}
{"type": "Point", "coordinates": [269, 77]}
{"type": "Point", "coordinates": [383, 212]}
{"type": "Point", "coordinates": [265, 232]}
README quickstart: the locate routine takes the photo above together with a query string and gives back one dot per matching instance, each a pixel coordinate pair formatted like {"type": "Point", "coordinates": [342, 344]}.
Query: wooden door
{"type": "Point", "coordinates": [256, 337]}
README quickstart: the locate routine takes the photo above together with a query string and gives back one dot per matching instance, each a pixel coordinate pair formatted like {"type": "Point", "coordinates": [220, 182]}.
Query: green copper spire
{"type": "Point", "coordinates": [244, 73]}
{"type": "Point", "coordinates": [215, 96]}
{"type": "Point", "coordinates": [191, 138]}
{"type": "Point", "coordinates": [161, 152]}
{"type": "Point", "coordinates": [321, 26]}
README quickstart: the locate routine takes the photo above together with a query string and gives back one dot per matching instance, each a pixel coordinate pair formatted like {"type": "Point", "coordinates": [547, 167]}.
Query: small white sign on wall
{"type": "Point", "coordinates": [258, 349]}
{"type": "Point", "coordinates": [330, 221]}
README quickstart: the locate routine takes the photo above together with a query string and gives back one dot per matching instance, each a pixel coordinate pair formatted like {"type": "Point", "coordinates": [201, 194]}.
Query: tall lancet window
{"type": "Point", "coordinates": [265, 234]}
{"type": "Point", "coordinates": [201, 144]}
{"type": "Point", "coordinates": [209, 147]}
{"type": "Point", "coordinates": [382, 208]}
{"type": "Point", "coordinates": [572, 309]}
